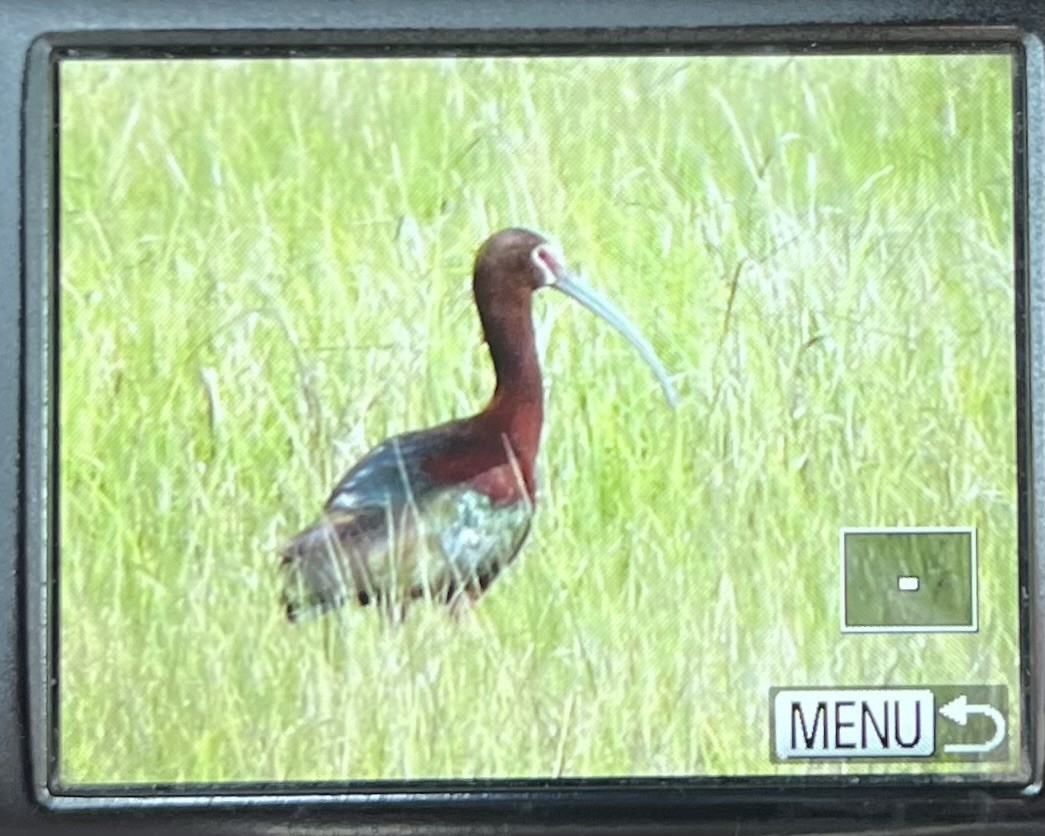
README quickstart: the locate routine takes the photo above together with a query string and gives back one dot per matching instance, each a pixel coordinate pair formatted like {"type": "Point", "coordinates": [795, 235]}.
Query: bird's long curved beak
{"type": "Point", "coordinates": [569, 284]}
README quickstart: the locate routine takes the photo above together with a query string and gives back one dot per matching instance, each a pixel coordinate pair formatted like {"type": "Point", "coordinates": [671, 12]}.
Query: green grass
{"type": "Point", "coordinates": [266, 270]}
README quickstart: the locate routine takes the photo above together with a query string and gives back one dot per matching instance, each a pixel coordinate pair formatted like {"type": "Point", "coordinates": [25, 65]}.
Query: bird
{"type": "Point", "coordinates": [438, 513]}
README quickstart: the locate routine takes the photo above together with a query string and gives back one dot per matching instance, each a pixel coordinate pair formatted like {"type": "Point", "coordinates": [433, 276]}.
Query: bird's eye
{"type": "Point", "coordinates": [546, 263]}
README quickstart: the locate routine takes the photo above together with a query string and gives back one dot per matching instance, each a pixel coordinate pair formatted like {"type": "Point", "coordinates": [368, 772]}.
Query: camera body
{"type": "Point", "coordinates": [904, 586]}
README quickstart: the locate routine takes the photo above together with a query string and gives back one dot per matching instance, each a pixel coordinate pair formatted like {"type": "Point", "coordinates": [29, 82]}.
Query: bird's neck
{"type": "Point", "coordinates": [517, 406]}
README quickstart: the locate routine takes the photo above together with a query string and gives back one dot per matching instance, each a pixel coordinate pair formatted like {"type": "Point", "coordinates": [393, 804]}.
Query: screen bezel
{"type": "Point", "coordinates": [820, 798]}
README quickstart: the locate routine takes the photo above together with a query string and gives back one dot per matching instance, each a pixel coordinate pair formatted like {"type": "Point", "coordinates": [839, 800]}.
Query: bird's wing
{"type": "Point", "coordinates": [393, 526]}
{"type": "Point", "coordinates": [458, 541]}
{"type": "Point", "coordinates": [406, 468]}
{"type": "Point", "coordinates": [390, 475]}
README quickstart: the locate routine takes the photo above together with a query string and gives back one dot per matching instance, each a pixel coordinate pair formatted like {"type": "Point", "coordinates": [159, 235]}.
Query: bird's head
{"type": "Point", "coordinates": [513, 263]}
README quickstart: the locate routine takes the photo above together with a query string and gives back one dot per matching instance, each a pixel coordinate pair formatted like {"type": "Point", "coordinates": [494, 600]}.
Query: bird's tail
{"type": "Point", "coordinates": [316, 573]}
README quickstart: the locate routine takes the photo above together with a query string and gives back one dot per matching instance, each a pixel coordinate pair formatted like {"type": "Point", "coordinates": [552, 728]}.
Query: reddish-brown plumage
{"type": "Point", "coordinates": [441, 511]}
{"type": "Point", "coordinates": [494, 452]}
{"type": "Point", "coordinates": [510, 426]}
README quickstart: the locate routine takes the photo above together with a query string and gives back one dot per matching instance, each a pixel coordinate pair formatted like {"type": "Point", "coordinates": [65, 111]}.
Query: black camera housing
{"type": "Point", "coordinates": [34, 36]}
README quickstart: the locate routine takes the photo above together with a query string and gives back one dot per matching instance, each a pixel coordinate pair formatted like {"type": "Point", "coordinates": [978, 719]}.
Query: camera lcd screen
{"type": "Point", "coordinates": [346, 493]}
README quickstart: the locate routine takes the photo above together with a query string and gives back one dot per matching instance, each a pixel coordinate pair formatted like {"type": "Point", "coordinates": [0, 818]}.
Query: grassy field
{"type": "Point", "coordinates": [266, 270]}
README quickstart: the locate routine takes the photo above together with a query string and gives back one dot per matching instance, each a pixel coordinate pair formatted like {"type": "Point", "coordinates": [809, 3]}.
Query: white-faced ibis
{"type": "Point", "coordinates": [438, 513]}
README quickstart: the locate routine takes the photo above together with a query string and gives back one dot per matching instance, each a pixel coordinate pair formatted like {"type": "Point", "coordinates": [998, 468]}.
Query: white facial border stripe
{"type": "Point", "coordinates": [541, 255]}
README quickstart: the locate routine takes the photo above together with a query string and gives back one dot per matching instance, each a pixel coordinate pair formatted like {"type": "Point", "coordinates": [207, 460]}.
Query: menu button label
{"type": "Point", "coordinates": [854, 723]}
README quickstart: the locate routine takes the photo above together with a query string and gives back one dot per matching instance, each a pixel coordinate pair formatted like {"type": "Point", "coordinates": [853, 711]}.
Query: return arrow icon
{"type": "Point", "coordinates": [958, 711]}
